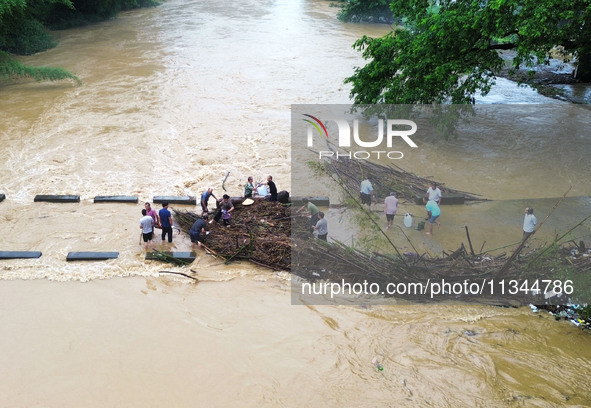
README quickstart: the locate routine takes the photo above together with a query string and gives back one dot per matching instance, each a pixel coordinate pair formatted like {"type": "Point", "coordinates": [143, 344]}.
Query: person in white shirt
{"type": "Point", "coordinates": [366, 192]}
{"type": "Point", "coordinates": [434, 193]}
{"type": "Point", "coordinates": [147, 226]}
{"type": "Point", "coordinates": [529, 223]}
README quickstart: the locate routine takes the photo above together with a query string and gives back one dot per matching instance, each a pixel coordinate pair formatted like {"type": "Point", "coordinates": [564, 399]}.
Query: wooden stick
{"type": "Point", "coordinates": [224, 182]}
{"type": "Point", "coordinates": [469, 240]}
{"type": "Point", "coordinates": [180, 273]}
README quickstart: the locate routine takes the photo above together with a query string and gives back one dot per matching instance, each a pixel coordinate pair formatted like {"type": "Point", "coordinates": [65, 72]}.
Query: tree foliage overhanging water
{"type": "Point", "coordinates": [24, 24]}
{"type": "Point", "coordinates": [449, 51]}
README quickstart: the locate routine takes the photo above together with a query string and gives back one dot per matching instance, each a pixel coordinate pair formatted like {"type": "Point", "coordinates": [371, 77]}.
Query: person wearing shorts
{"type": "Point", "coordinates": [147, 227]}
{"type": "Point", "coordinates": [390, 208]}
{"type": "Point", "coordinates": [433, 212]}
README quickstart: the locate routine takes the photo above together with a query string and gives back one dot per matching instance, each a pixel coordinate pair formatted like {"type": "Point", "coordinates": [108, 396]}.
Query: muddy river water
{"type": "Point", "coordinates": [172, 99]}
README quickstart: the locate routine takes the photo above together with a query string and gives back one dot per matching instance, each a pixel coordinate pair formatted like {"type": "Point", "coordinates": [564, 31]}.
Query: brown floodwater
{"type": "Point", "coordinates": [172, 99]}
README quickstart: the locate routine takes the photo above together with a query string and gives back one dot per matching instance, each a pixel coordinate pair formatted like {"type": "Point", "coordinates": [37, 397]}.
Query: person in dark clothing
{"type": "Point", "coordinates": [166, 222]}
{"type": "Point", "coordinates": [197, 232]}
{"type": "Point", "coordinates": [272, 188]}
{"type": "Point", "coordinates": [225, 209]}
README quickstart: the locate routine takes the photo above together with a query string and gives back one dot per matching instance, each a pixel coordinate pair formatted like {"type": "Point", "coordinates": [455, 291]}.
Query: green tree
{"type": "Point", "coordinates": [448, 50]}
{"type": "Point", "coordinates": [377, 11]}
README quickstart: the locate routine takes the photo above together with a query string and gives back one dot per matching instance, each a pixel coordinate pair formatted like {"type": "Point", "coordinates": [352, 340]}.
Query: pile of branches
{"type": "Point", "coordinates": [259, 233]}
{"type": "Point", "coordinates": [335, 262]}
{"type": "Point", "coordinates": [385, 179]}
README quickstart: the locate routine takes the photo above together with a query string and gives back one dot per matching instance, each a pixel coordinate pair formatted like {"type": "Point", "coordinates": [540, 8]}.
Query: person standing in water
{"type": "Point", "coordinates": [433, 212]}
{"type": "Point", "coordinates": [390, 208]}
{"type": "Point", "coordinates": [147, 227]}
{"type": "Point", "coordinates": [529, 223]}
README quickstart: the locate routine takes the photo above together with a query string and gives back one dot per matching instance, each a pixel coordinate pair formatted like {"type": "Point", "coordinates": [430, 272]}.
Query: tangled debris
{"type": "Point", "coordinates": [384, 179]}
{"type": "Point", "coordinates": [259, 233]}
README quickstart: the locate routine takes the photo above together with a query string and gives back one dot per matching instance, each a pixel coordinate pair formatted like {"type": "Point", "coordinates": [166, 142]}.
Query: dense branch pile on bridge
{"type": "Point", "coordinates": [259, 233]}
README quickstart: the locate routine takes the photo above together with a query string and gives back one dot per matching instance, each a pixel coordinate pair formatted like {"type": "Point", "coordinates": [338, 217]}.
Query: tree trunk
{"type": "Point", "coordinates": [583, 70]}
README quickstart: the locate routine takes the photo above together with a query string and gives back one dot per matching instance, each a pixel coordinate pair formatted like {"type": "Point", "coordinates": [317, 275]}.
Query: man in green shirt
{"type": "Point", "coordinates": [312, 209]}
{"type": "Point", "coordinates": [248, 188]}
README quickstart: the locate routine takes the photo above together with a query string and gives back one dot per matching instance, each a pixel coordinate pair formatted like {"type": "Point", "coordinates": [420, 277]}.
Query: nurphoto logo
{"type": "Point", "coordinates": [394, 128]}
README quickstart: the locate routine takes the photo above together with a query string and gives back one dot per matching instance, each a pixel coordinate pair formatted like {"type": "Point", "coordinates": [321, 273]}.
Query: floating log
{"type": "Point", "coordinates": [183, 256]}
{"type": "Point", "coordinates": [2, 197]}
{"type": "Point", "coordinates": [91, 256]}
{"type": "Point", "coordinates": [56, 198]}
{"type": "Point", "coordinates": [451, 199]}
{"type": "Point", "coordinates": [116, 199]}
{"type": "Point", "coordinates": [175, 200]}
{"type": "Point", "coordinates": [19, 254]}
{"type": "Point", "coordinates": [322, 201]}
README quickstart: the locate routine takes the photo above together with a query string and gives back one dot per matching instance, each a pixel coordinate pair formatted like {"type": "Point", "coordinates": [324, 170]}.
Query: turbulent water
{"type": "Point", "coordinates": [173, 98]}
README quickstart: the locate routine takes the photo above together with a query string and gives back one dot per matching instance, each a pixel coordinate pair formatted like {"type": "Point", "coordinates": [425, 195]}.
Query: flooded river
{"type": "Point", "coordinates": [172, 99]}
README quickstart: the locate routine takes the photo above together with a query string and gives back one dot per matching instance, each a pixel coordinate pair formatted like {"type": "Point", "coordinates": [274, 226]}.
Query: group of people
{"type": "Point", "coordinates": [163, 219]}
{"type": "Point", "coordinates": [151, 220]}
{"type": "Point", "coordinates": [317, 221]}
{"type": "Point", "coordinates": [224, 207]}
{"type": "Point", "coordinates": [265, 189]}
{"type": "Point", "coordinates": [432, 201]}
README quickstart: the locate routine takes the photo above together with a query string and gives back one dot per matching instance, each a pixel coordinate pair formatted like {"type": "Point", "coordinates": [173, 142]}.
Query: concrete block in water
{"type": "Point", "coordinates": [184, 256]}
{"type": "Point", "coordinates": [322, 201]}
{"type": "Point", "coordinates": [175, 200]}
{"type": "Point", "coordinates": [445, 200]}
{"type": "Point", "coordinates": [91, 256]}
{"type": "Point", "coordinates": [57, 198]}
{"type": "Point", "coordinates": [19, 254]}
{"type": "Point", "coordinates": [115, 199]}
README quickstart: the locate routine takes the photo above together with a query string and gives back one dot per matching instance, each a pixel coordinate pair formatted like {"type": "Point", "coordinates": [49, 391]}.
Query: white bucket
{"type": "Point", "coordinates": [407, 220]}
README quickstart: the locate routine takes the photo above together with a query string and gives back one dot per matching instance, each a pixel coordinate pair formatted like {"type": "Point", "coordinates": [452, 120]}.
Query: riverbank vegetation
{"type": "Point", "coordinates": [24, 29]}
{"type": "Point", "coordinates": [362, 11]}
{"type": "Point", "coordinates": [450, 50]}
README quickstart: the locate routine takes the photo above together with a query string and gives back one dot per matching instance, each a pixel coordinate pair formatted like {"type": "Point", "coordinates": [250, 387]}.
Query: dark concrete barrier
{"type": "Point", "coordinates": [322, 201]}
{"type": "Point", "coordinates": [91, 256]}
{"type": "Point", "coordinates": [175, 200]}
{"type": "Point", "coordinates": [115, 199]}
{"type": "Point", "coordinates": [19, 254]}
{"type": "Point", "coordinates": [445, 200]}
{"type": "Point", "coordinates": [184, 256]}
{"type": "Point", "coordinates": [54, 198]}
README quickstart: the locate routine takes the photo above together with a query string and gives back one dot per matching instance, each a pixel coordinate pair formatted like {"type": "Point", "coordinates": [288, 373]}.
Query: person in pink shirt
{"type": "Point", "coordinates": [390, 208]}
{"type": "Point", "coordinates": [152, 213]}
